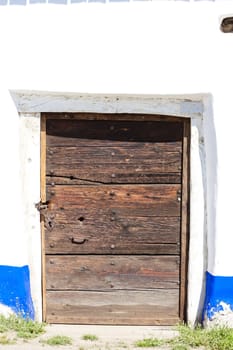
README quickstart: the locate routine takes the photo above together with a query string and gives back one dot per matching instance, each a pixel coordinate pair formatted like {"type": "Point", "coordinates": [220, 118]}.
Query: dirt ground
{"type": "Point", "coordinates": [109, 337]}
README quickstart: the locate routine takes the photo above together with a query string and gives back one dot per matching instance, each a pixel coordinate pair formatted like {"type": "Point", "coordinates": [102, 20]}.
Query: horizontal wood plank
{"type": "Point", "coordinates": [64, 132]}
{"type": "Point", "coordinates": [108, 233]}
{"type": "Point", "coordinates": [113, 219]}
{"type": "Point", "coordinates": [114, 174]}
{"type": "Point", "coordinates": [93, 176]}
{"type": "Point", "coordinates": [104, 273]}
{"type": "Point", "coordinates": [114, 116]}
{"type": "Point", "coordinates": [119, 147]}
{"type": "Point", "coordinates": [116, 307]}
{"type": "Point", "coordinates": [55, 247]}
{"type": "Point", "coordinates": [140, 200]}
{"type": "Point", "coordinates": [112, 164]}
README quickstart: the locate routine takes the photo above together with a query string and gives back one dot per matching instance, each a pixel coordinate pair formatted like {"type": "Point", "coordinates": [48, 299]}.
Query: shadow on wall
{"type": "Point", "coordinates": [210, 218]}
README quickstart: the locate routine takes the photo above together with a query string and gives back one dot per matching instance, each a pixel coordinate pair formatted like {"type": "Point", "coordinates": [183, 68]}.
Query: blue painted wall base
{"type": "Point", "coordinates": [15, 290]}
{"type": "Point", "coordinates": [218, 290]}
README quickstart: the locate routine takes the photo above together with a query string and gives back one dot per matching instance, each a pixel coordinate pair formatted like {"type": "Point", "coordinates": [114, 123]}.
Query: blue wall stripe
{"type": "Point", "coordinates": [15, 291]}
{"type": "Point", "coordinates": [218, 289]}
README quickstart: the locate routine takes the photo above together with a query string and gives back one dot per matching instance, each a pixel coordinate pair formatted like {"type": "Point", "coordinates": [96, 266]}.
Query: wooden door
{"type": "Point", "coordinates": [114, 219]}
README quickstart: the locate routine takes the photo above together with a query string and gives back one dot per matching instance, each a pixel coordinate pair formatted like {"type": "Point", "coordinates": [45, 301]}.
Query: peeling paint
{"type": "Point", "coordinates": [218, 308]}
{"type": "Point", "coordinates": [222, 317]}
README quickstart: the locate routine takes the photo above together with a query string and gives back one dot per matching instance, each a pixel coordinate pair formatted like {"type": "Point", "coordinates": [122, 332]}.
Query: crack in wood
{"type": "Point", "coordinates": [74, 178]}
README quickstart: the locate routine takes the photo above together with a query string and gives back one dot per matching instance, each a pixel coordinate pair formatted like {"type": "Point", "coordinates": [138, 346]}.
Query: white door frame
{"type": "Point", "coordinates": [30, 105]}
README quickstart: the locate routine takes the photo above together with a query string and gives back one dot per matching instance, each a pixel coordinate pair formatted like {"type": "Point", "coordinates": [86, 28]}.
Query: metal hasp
{"type": "Point", "coordinates": [227, 25]}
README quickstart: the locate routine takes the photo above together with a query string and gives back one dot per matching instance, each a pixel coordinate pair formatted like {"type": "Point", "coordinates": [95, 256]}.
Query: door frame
{"type": "Point", "coordinates": [185, 193]}
{"type": "Point", "coordinates": [30, 104]}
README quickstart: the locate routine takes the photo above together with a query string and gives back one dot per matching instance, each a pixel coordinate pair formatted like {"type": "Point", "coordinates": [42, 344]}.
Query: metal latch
{"type": "Point", "coordinates": [40, 206]}
{"type": "Point", "coordinates": [43, 208]}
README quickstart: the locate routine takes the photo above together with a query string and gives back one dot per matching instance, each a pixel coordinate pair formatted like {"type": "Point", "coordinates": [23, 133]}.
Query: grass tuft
{"type": "Point", "coordinates": [58, 340]}
{"type": "Point", "coordinates": [24, 328]}
{"type": "Point", "coordinates": [148, 343]}
{"type": "Point", "coordinates": [3, 328]}
{"type": "Point", "coordinates": [90, 337]}
{"type": "Point", "coordinates": [188, 337]}
{"type": "Point", "coordinates": [180, 347]}
{"type": "Point", "coordinates": [218, 338]}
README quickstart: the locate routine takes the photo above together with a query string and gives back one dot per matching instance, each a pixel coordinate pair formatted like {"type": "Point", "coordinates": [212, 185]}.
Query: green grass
{"type": "Point", "coordinates": [148, 343]}
{"type": "Point", "coordinates": [180, 347]}
{"type": "Point", "coordinates": [218, 338]}
{"type": "Point", "coordinates": [58, 340]}
{"type": "Point", "coordinates": [3, 328]}
{"type": "Point", "coordinates": [26, 329]}
{"type": "Point", "coordinates": [90, 337]}
{"type": "Point", "coordinates": [188, 337]}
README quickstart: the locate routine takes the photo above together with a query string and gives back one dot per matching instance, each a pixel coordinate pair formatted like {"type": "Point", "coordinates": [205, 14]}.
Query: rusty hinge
{"type": "Point", "coordinates": [47, 216]}
{"type": "Point", "coordinates": [41, 206]}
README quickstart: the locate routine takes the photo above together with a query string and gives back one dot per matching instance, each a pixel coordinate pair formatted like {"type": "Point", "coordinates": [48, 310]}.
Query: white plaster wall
{"type": "Point", "coordinates": [160, 47]}
{"type": "Point", "coordinates": [29, 155]}
{"type": "Point", "coordinates": [13, 238]}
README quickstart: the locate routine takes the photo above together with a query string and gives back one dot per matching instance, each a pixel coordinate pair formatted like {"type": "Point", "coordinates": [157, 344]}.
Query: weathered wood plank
{"type": "Point", "coordinates": [116, 307]}
{"type": "Point", "coordinates": [104, 273]}
{"type": "Point", "coordinates": [61, 131]}
{"type": "Point", "coordinates": [120, 147]}
{"type": "Point", "coordinates": [112, 164]}
{"type": "Point", "coordinates": [156, 229]}
{"type": "Point", "coordinates": [113, 221]}
{"type": "Point", "coordinates": [59, 141]}
{"type": "Point", "coordinates": [110, 174]}
{"type": "Point", "coordinates": [140, 200]}
{"type": "Point", "coordinates": [94, 176]}
{"type": "Point", "coordinates": [56, 247]}
{"type": "Point", "coordinates": [101, 231]}
{"type": "Point", "coordinates": [68, 157]}
{"type": "Point", "coordinates": [114, 116]}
